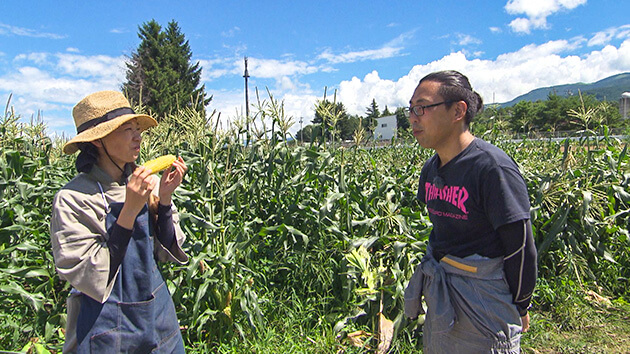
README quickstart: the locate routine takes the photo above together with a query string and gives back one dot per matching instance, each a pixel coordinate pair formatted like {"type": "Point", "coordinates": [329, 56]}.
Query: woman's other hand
{"type": "Point", "coordinates": [171, 179]}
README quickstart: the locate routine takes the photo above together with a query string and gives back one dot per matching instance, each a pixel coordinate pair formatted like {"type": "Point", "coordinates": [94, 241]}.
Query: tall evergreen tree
{"type": "Point", "coordinates": [402, 121]}
{"type": "Point", "coordinates": [142, 62]}
{"type": "Point", "coordinates": [386, 112]}
{"type": "Point", "coordinates": [160, 74]}
{"type": "Point", "coordinates": [372, 110]}
{"type": "Point", "coordinates": [372, 113]}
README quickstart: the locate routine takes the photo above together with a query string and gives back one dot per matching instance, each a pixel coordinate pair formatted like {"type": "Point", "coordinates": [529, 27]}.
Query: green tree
{"type": "Point", "coordinates": [308, 133]}
{"type": "Point", "coordinates": [402, 120]}
{"type": "Point", "coordinates": [369, 123]}
{"type": "Point", "coordinates": [142, 61]}
{"type": "Point", "coordinates": [522, 113]}
{"type": "Point", "coordinates": [347, 127]}
{"type": "Point", "coordinates": [160, 74]}
{"type": "Point", "coordinates": [329, 116]}
{"type": "Point", "coordinates": [386, 112]}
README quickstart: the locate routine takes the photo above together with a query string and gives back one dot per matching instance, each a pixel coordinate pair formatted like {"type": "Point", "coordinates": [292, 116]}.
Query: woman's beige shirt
{"type": "Point", "coordinates": [79, 237]}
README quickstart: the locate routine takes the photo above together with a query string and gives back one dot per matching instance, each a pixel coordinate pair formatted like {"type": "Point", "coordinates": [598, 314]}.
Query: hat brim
{"type": "Point", "coordinates": [97, 132]}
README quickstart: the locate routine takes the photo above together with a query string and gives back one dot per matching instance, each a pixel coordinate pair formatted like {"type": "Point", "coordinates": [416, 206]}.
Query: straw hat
{"type": "Point", "coordinates": [101, 113]}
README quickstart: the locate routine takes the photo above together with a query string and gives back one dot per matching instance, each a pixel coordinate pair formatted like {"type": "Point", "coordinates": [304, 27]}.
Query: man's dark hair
{"type": "Point", "coordinates": [454, 86]}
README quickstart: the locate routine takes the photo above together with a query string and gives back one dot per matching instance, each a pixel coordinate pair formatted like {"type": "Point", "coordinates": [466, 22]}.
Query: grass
{"type": "Point", "coordinates": [571, 319]}
{"type": "Point", "coordinates": [577, 321]}
{"type": "Point", "coordinates": [591, 329]}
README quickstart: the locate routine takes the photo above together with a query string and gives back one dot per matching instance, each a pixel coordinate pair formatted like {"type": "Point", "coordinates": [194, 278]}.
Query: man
{"type": "Point", "coordinates": [479, 271]}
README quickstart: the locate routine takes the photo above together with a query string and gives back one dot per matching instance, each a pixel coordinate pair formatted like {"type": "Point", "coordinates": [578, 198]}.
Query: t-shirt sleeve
{"type": "Point", "coordinates": [505, 198]}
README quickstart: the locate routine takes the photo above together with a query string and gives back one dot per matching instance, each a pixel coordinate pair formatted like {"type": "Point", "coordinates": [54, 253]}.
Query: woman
{"type": "Point", "coordinates": [103, 242]}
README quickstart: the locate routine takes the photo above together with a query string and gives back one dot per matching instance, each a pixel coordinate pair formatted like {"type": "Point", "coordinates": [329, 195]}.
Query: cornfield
{"type": "Point", "coordinates": [321, 236]}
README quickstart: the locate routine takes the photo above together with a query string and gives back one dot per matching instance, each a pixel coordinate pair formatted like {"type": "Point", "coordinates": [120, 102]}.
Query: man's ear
{"type": "Point", "coordinates": [460, 110]}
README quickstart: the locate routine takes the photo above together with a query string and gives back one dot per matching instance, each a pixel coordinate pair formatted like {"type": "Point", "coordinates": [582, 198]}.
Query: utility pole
{"type": "Point", "coordinates": [301, 132]}
{"type": "Point", "coordinates": [246, 76]}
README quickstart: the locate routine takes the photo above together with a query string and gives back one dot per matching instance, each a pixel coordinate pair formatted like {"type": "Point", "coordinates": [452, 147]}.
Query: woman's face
{"type": "Point", "coordinates": [123, 144]}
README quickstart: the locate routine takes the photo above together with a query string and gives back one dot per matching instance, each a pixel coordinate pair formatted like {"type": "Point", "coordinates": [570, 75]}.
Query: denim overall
{"type": "Point", "coordinates": [139, 315]}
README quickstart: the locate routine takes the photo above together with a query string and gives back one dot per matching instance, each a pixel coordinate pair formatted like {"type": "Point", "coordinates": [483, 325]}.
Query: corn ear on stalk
{"type": "Point", "coordinates": [160, 164]}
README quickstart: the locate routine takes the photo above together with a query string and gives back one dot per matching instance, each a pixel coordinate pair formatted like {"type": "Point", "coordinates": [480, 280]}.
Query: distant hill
{"type": "Point", "coordinates": [609, 89]}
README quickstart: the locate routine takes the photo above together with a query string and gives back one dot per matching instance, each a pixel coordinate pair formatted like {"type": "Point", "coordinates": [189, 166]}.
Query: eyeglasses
{"type": "Point", "coordinates": [419, 109]}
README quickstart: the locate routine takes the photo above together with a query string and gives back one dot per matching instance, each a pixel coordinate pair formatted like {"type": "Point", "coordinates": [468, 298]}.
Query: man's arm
{"type": "Point", "coordinates": [520, 263]}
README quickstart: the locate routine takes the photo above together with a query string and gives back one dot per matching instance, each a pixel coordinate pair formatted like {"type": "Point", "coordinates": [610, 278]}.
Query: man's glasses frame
{"type": "Point", "coordinates": [419, 109]}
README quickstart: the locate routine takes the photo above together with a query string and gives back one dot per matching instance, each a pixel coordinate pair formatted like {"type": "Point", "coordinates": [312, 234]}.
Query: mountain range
{"type": "Point", "coordinates": [609, 89]}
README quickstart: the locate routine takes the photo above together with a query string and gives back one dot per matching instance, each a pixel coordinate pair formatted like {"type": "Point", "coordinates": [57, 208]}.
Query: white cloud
{"type": "Point", "coordinates": [533, 52]}
{"type": "Point", "coordinates": [606, 36]}
{"type": "Point", "coordinates": [104, 67]}
{"type": "Point", "coordinates": [36, 58]}
{"type": "Point", "coordinates": [285, 70]}
{"type": "Point", "coordinates": [300, 106]}
{"type": "Point", "coordinates": [351, 57]}
{"type": "Point", "coordinates": [9, 30]}
{"type": "Point", "coordinates": [525, 25]}
{"type": "Point", "coordinates": [287, 84]}
{"type": "Point", "coordinates": [229, 103]}
{"type": "Point", "coordinates": [402, 39]}
{"type": "Point", "coordinates": [624, 32]}
{"type": "Point", "coordinates": [43, 88]}
{"type": "Point", "coordinates": [259, 68]}
{"type": "Point", "coordinates": [357, 94]}
{"type": "Point", "coordinates": [231, 32]}
{"type": "Point", "coordinates": [72, 50]}
{"type": "Point", "coordinates": [118, 30]}
{"type": "Point", "coordinates": [53, 83]}
{"type": "Point", "coordinates": [466, 39]}
{"type": "Point", "coordinates": [506, 77]}
{"type": "Point", "coordinates": [495, 30]}
{"type": "Point", "coordinates": [602, 37]}
{"type": "Point", "coordinates": [101, 66]}
{"type": "Point", "coordinates": [215, 68]}
{"type": "Point", "coordinates": [540, 8]}
{"type": "Point", "coordinates": [390, 49]}
{"type": "Point", "coordinates": [272, 68]}
{"type": "Point", "coordinates": [536, 12]}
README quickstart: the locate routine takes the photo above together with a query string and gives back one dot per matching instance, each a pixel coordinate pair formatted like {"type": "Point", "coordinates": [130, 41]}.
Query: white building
{"type": "Point", "coordinates": [385, 128]}
{"type": "Point", "coordinates": [624, 105]}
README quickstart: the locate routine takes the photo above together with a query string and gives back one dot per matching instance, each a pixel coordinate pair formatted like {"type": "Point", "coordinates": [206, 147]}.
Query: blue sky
{"type": "Point", "coordinates": [53, 53]}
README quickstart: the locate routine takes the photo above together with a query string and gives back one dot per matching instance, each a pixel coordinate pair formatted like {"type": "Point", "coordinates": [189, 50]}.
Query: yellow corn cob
{"type": "Point", "coordinates": [160, 164]}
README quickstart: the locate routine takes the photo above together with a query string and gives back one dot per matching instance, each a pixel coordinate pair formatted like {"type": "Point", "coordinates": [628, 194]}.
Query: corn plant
{"type": "Point", "coordinates": [324, 235]}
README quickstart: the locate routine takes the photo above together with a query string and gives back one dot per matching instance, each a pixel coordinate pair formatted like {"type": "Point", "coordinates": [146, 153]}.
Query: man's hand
{"type": "Point", "coordinates": [525, 321]}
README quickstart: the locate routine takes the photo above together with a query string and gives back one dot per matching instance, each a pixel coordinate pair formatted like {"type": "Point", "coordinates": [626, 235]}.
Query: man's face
{"type": "Point", "coordinates": [433, 128]}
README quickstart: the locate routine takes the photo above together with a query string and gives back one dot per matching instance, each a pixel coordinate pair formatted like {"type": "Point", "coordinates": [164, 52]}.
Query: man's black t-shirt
{"type": "Point", "coordinates": [470, 197]}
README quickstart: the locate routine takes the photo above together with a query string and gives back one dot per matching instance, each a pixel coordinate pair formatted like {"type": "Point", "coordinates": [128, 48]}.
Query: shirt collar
{"type": "Point", "coordinates": [101, 176]}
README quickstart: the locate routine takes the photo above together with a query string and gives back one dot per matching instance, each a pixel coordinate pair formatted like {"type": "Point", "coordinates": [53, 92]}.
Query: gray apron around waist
{"type": "Point", "coordinates": [469, 305]}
